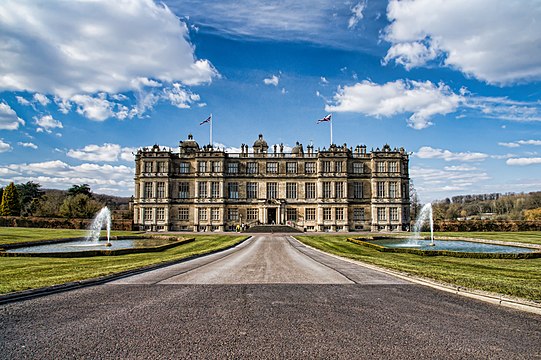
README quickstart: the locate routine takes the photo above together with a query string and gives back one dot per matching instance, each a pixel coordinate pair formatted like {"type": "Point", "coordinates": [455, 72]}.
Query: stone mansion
{"type": "Point", "coordinates": [334, 189]}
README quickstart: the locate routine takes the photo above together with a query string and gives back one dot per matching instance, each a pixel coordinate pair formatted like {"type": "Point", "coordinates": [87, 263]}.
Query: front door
{"type": "Point", "coordinates": [271, 216]}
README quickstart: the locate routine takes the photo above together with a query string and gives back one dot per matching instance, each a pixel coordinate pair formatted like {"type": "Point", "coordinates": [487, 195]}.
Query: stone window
{"type": "Point", "coordinates": [160, 214]}
{"type": "Point", "coordinates": [251, 190]}
{"type": "Point", "coordinates": [161, 190]}
{"type": "Point", "coordinates": [338, 166]}
{"type": "Point", "coordinates": [215, 189]}
{"type": "Point", "coordinates": [147, 214]}
{"type": "Point", "coordinates": [393, 190]}
{"type": "Point", "coordinates": [148, 166]}
{"type": "Point", "coordinates": [216, 166]}
{"type": "Point", "coordinates": [310, 214]}
{"type": "Point", "coordinates": [358, 214]}
{"type": "Point", "coordinates": [381, 189]}
{"type": "Point", "coordinates": [202, 189]}
{"type": "Point", "coordinates": [310, 168]}
{"type": "Point", "coordinates": [184, 190]}
{"type": "Point", "coordinates": [394, 214]}
{"type": "Point", "coordinates": [291, 167]}
{"type": "Point", "coordinates": [184, 168]}
{"type": "Point", "coordinates": [162, 167]}
{"type": "Point", "coordinates": [233, 214]}
{"type": "Point", "coordinates": [393, 167]}
{"type": "Point", "coordinates": [202, 166]}
{"type": "Point", "coordinates": [183, 214]}
{"type": "Point", "coordinates": [358, 167]}
{"type": "Point", "coordinates": [215, 214]}
{"type": "Point", "coordinates": [357, 190]}
{"type": "Point", "coordinates": [327, 191]}
{"type": "Point", "coordinates": [339, 213]}
{"type": "Point", "coordinates": [272, 192]}
{"type": "Point", "coordinates": [233, 190]}
{"type": "Point", "coordinates": [251, 168]}
{"type": "Point", "coordinates": [251, 214]}
{"type": "Point", "coordinates": [326, 166]}
{"type": "Point", "coordinates": [339, 190]}
{"type": "Point", "coordinates": [202, 214]}
{"type": "Point", "coordinates": [291, 190]}
{"type": "Point", "coordinates": [272, 167]}
{"type": "Point", "coordinates": [233, 168]}
{"type": "Point", "coordinates": [310, 190]}
{"type": "Point", "coordinates": [382, 214]}
{"type": "Point", "coordinates": [380, 166]}
{"type": "Point", "coordinates": [291, 214]}
{"type": "Point", "coordinates": [148, 190]}
{"type": "Point", "coordinates": [327, 214]}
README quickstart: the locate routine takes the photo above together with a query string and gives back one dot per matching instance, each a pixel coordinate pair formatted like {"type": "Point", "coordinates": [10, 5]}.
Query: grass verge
{"type": "Point", "coordinates": [518, 278]}
{"type": "Point", "coordinates": [22, 273]}
{"type": "Point", "coordinates": [9, 235]}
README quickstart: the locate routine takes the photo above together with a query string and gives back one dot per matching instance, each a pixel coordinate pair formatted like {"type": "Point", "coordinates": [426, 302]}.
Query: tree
{"type": "Point", "coordinates": [532, 214]}
{"type": "Point", "coordinates": [415, 204]}
{"type": "Point", "coordinates": [10, 205]}
{"type": "Point", "coordinates": [29, 196]}
{"type": "Point", "coordinates": [80, 189]}
{"type": "Point", "coordinates": [79, 206]}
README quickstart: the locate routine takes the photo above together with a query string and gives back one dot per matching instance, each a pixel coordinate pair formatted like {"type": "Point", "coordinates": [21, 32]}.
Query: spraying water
{"type": "Point", "coordinates": [103, 217]}
{"type": "Point", "coordinates": [425, 214]}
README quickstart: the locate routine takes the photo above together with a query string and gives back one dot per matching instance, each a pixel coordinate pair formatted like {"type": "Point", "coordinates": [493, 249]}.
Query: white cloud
{"type": "Point", "coordinates": [427, 152]}
{"type": "Point", "coordinates": [519, 143]}
{"type": "Point", "coordinates": [4, 146]}
{"type": "Point", "coordinates": [73, 50]}
{"type": "Point", "coordinates": [42, 99]}
{"type": "Point", "coordinates": [23, 101]}
{"type": "Point", "coordinates": [105, 152]}
{"type": "Point", "coordinates": [460, 168]}
{"type": "Point", "coordinates": [357, 14]}
{"type": "Point", "coordinates": [58, 174]}
{"type": "Point", "coordinates": [28, 145]}
{"type": "Point", "coordinates": [523, 161]}
{"type": "Point", "coordinates": [273, 80]}
{"type": "Point", "coordinates": [494, 43]}
{"type": "Point", "coordinates": [422, 99]}
{"type": "Point", "coordinates": [323, 80]}
{"type": "Point", "coordinates": [8, 118]}
{"type": "Point", "coordinates": [46, 123]}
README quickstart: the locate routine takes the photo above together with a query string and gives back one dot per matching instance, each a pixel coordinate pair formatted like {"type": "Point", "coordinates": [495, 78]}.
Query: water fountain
{"type": "Point", "coordinates": [103, 217]}
{"type": "Point", "coordinates": [424, 215]}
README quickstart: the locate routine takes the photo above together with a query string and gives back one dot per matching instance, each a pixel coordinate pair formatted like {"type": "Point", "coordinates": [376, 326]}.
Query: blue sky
{"type": "Point", "coordinates": [83, 84]}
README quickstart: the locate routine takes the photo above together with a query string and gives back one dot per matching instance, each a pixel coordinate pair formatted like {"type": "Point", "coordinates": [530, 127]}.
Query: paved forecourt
{"type": "Point", "coordinates": [270, 297]}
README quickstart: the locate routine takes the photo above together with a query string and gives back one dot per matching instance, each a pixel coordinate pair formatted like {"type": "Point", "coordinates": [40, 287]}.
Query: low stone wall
{"type": "Point", "coordinates": [59, 223]}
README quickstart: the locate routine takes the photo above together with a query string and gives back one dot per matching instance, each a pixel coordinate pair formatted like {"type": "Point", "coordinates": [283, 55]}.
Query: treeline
{"type": "Point", "coordinates": [78, 202]}
{"type": "Point", "coordinates": [510, 206]}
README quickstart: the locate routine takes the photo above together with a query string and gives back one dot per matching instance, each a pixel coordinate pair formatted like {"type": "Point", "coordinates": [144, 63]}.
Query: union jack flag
{"type": "Point", "coordinates": [325, 119]}
{"type": "Point", "coordinates": [206, 120]}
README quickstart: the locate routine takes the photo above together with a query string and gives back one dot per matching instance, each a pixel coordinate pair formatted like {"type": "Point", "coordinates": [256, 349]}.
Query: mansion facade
{"type": "Point", "coordinates": [335, 189]}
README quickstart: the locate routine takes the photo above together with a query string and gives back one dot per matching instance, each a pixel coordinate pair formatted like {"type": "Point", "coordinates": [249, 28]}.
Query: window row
{"type": "Point", "coordinates": [387, 213]}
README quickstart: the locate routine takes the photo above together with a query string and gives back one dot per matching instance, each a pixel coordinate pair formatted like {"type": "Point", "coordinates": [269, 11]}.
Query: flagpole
{"type": "Point", "coordinates": [331, 130]}
{"type": "Point", "coordinates": [211, 131]}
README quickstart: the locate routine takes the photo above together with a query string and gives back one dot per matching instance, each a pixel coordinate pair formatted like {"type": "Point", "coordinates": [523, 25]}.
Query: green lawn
{"type": "Point", "coordinates": [21, 273]}
{"type": "Point", "coordinates": [519, 278]}
{"type": "Point", "coordinates": [9, 235]}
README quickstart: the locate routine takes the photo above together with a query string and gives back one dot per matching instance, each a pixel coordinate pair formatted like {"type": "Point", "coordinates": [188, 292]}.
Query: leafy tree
{"type": "Point", "coordinates": [29, 196]}
{"type": "Point", "coordinates": [10, 205]}
{"type": "Point", "coordinates": [415, 204]}
{"type": "Point", "coordinates": [1, 192]}
{"type": "Point", "coordinates": [79, 206]}
{"type": "Point", "coordinates": [80, 189]}
{"type": "Point", "coordinates": [532, 214]}
{"type": "Point", "coordinates": [50, 203]}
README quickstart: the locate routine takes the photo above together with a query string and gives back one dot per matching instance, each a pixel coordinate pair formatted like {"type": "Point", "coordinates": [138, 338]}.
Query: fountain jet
{"type": "Point", "coordinates": [103, 217]}
{"type": "Point", "coordinates": [425, 214]}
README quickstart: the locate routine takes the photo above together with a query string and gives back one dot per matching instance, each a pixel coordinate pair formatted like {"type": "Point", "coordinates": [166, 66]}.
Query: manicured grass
{"type": "Point", "coordinates": [519, 278]}
{"type": "Point", "coordinates": [9, 235]}
{"type": "Point", "coordinates": [21, 273]}
{"type": "Point", "coordinates": [526, 237]}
